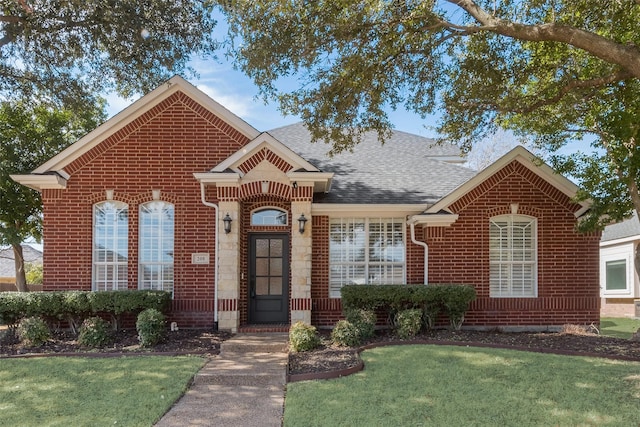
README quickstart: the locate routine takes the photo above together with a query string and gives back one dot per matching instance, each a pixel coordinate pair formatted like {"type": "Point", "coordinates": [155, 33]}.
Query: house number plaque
{"type": "Point", "coordinates": [201, 258]}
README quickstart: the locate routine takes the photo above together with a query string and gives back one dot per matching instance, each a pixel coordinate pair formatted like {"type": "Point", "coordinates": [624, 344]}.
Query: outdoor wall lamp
{"type": "Point", "coordinates": [302, 221]}
{"type": "Point", "coordinates": [227, 223]}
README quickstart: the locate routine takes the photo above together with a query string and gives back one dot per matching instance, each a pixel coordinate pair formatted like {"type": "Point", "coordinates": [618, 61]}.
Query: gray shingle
{"type": "Point", "coordinates": [626, 228]}
{"type": "Point", "coordinates": [7, 264]}
{"type": "Point", "coordinates": [406, 169]}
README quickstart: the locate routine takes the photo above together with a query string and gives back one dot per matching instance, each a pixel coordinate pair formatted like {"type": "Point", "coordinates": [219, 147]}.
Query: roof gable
{"type": "Point", "coordinates": [525, 158]}
{"type": "Point", "coordinates": [265, 147]}
{"type": "Point", "coordinates": [136, 110]}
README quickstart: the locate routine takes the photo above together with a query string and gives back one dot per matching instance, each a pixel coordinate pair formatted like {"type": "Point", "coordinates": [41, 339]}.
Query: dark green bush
{"type": "Point", "coordinates": [151, 327]}
{"type": "Point", "coordinates": [33, 331]}
{"type": "Point", "coordinates": [456, 302]}
{"type": "Point", "coordinates": [364, 320]}
{"type": "Point", "coordinates": [303, 337]}
{"type": "Point", "coordinates": [452, 300]}
{"type": "Point", "coordinates": [94, 332]}
{"type": "Point", "coordinates": [346, 334]}
{"type": "Point", "coordinates": [75, 306]}
{"type": "Point", "coordinates": [13, 307]}
{"type": "Point", "coordinates": [408, 322]}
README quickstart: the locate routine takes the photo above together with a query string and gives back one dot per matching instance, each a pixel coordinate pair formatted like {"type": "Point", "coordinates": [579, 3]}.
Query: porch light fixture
{"type": "Point", "coordinates": [227, 223]}
{"type": "Point", "coordinates": [302, 221]}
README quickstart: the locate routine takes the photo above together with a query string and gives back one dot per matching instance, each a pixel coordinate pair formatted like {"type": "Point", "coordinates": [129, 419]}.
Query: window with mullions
{"type": "Point", "coordinates": [513, 256]}
{"type": "Point", "coordinates": [110, 250]}
{"type": "Point", "coordinates": [156, 246]}
{"type": "Point", "coordinates": [365, 251]}
{"type": "Point", "coordinates": [269, 216]}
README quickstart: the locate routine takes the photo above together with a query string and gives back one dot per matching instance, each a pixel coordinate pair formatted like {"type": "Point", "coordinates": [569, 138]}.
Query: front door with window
{"type": "Point", "coordinates": [268, 278]}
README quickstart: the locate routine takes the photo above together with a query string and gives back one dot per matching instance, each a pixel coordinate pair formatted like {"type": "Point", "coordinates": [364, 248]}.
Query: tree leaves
{"type": "Point", "coordinates": [551, 70]}
{"type": "Point", "coordinates": [68, 50]}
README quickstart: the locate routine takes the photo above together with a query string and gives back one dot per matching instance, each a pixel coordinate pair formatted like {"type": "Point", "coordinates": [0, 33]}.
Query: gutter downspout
{"type": "Point", "coordinates": [426, 251]}
{"type": "Point", "coordinates": [216, 260]}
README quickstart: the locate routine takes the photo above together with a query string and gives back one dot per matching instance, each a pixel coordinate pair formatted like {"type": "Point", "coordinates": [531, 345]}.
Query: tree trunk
{"type": "Point", "coordinates": [21, 279]}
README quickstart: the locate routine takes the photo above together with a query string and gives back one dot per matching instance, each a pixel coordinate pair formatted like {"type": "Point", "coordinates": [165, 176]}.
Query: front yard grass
{"type": "Point", "coordinates": [620, 327]}
{"type": "Point", "coordinates": [76, 391]}
{"type": "Point", "coordinates": [424, 385]}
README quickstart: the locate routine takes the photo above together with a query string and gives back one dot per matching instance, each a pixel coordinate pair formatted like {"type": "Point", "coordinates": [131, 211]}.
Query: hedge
{"type": "Point", "coordinates": [75, 306]}
{"type": "Point", "coordinates": [451, 299]}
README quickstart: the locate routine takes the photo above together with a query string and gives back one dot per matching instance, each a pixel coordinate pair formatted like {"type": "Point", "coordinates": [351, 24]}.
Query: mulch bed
{"type": "Point", "coordinates": [63, 342]}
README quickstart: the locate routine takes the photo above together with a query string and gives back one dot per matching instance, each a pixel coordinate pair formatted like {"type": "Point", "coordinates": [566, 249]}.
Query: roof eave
{"type": "Point", "coordinates": [41, 182]}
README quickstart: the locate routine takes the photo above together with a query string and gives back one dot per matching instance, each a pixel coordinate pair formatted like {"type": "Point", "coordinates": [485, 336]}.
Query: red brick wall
{"type": "Point", "coordinates": [568, 284]}
{"type": "Point", "coordinates": [159, 150]}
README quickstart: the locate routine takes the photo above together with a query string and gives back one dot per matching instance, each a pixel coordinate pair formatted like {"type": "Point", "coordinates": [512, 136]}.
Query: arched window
{"type": "Point", "coordinates": [110, 245]}
{"type": "Point", "coordinates": [156, 246]}
{"type": "Point", "coordinates": [513, 256]}
{"type": "Point", "coordinates": [269, 216]}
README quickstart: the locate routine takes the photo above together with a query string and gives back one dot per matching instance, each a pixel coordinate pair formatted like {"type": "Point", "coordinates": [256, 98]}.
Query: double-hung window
{"type": "Point", "coordinates": [365, 251]}
{"type": "Point", "coordinates": [156, 246]}
{"type": "Point", "coordinates": [513, 256]}
{"type": "Point", "coordinates": [110, 250]}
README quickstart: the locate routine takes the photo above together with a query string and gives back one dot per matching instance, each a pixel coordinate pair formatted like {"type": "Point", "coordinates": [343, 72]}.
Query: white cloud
{"type": "Point", "coordinates": [237, 104]}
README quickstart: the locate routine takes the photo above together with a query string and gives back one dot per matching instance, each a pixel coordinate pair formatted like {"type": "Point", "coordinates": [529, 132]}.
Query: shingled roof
{"type": "Point", "coordinates": [407, 169]}
{"type": "Point", "coordinates": [627, 228]}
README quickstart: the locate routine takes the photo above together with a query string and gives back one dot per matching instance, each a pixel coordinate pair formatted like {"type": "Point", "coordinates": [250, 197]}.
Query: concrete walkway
{"type": "Point", "coordinates": [243, 386]}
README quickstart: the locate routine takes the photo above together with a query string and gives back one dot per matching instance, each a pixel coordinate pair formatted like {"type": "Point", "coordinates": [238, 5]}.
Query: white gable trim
{"type": "Point", "coordinates": [137, 109]}
{"type": "Point", "coordinates": [261, 141]}
{"type": "Point", "coordinates": [41, 182]}
{"type": "Point", "coordinates": [526, 158]}
{"type": "Point", "coordinates": [433, 220]}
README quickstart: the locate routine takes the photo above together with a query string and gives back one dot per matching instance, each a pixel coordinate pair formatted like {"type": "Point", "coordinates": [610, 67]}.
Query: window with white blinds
{"type": "Point", "coordinates": [365, 251]}
{"type": "Point", "coordinates": [156, 246]}
{"type": "Point", "coordinates": [513, 256]}
{"type": "Point", "coordinates": [110, 245]}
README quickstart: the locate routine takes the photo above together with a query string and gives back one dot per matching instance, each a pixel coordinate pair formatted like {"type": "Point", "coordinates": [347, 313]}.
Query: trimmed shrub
{"type": "Point", "coordinates": [94, 332]}
{"type": "Point", "coordinates": [408, 323]}
{"type": "Point", "coordinates": [346, 334]}
{"type": "Point", "coordinates": [455, 301]}
{"type": "Point", "coordinates": [303, 337]}
{"type": "Point", "coordinates": [33, 331]}
{"type": "Point", "coordinates": [151, 327]}
{"type": "Point", "coordinates": [452, 300]}
{"type": "Point", "coordinates": [364, 320]}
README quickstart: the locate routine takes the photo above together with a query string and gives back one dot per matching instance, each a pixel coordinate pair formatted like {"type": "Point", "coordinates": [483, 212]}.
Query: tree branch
{"type": "Point", "coordinates": [626, 56]}
{"type": "Point", "coordinates": [571, 86]}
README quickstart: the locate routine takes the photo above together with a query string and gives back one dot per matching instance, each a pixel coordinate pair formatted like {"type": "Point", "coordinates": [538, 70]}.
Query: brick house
{"type": "Point", "coordinates": [249, 228]}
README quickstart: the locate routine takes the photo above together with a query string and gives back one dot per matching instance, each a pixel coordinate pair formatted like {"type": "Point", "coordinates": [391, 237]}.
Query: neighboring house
{"type": "Point", "coordinates": [619, 284]}
{"type": "Point", "coordinates": [8, 267]}
{"type": "Point", "coordinates": [248, 227]}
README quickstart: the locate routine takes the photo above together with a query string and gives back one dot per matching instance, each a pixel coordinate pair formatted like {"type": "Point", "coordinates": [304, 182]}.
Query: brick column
{"type": "Point", "coordinates": [300, 264]}
{"type": "Point", "coordinates": [229, 264]}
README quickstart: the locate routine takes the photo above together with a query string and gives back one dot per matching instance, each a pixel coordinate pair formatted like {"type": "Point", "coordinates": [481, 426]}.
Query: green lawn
{"type": "Point", "coordinates": [620, 327]}
{"type": "Point", "coordinates": [75, 391]}
{"type": "Point", "coordinates": [422, 385]}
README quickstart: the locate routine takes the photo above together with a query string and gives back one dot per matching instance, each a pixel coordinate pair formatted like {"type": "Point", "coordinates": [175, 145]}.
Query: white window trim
{"type": "Point", "coordinates": [618, 253]}
{"type": "Point", "coordinates": [534, 262]}
{"type": "Point", "coordinates": [367, 263]}
{"type": "Point", "coordinates": [142, 264]}
{"type": "Point", "coordinates": [115, 285]}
